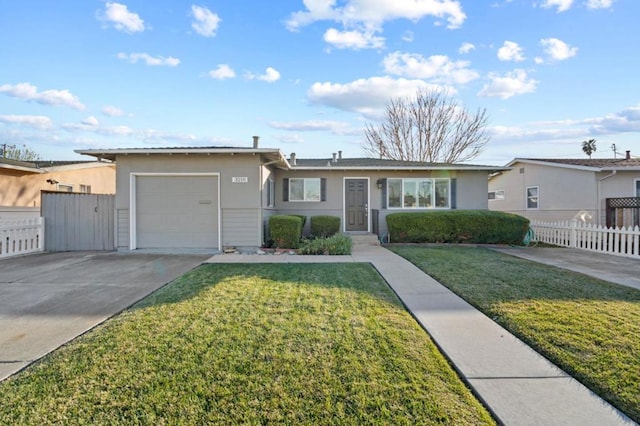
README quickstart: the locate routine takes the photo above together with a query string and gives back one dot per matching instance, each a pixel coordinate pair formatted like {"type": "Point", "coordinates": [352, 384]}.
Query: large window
{"type": "Point", "coordinates": [532, 197]}
{"type": "Point", "coordinates": [418, 193]}
{"type": "Point", "coordinates": [637, 187]}
{"type": "Point", "coordinates": [304, 189]}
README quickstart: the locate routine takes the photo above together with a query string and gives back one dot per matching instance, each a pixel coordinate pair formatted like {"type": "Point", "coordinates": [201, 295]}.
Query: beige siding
{"type": "Point", "coordinates": [241, 228]}
{"type": "Point", "coordinates": [563, 192]}
{"type": "Point", "coordinates": [122, 228]}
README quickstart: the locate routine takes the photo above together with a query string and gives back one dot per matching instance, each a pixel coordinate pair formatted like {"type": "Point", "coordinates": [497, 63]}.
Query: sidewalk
{"type": "Point", "coordinates": [518, 385]}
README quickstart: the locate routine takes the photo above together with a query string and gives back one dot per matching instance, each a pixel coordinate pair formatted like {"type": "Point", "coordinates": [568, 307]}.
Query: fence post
{"type": "Point", "coordinates": [574, 233]}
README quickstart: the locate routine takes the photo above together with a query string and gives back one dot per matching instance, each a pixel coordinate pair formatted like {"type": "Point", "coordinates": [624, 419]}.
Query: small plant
{"type": "Point", "coordinates": [338, 244]}
{"type": "Point", "coordinates": [285, 231]}
{"type": "Point", "coordinates": [324, 226]}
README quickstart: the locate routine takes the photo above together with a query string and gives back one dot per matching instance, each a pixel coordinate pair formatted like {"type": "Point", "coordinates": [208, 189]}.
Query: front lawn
{"type": "Point", "coordinates": [588, 327]}
{"type": "Point", "coordinates": [257, 344]}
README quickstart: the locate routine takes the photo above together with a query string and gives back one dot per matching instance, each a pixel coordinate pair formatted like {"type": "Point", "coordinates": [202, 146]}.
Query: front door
{"type": "Point", "coordinates": [356, 204]}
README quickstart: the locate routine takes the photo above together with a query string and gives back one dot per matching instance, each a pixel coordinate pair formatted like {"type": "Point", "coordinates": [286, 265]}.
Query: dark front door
{"type": "Point", "coordinates": [356, 201]}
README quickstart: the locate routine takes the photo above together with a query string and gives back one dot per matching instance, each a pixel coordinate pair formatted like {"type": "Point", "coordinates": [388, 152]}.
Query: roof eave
{"type": "Point", "coordinates": [33, 170]}
{"type": "Point", "coordinates": [552, 164]}
{"type": "Point", "coordinates": [404, 168]}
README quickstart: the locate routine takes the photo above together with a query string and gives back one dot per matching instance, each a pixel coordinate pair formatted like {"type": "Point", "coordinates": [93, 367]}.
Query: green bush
{"type": "Point", "coordinates": [303, 219]}
{"type": "Point", "coordinates": [285, 231]}
{"type": "Point", "coordinates": [457, 226]}
{"type": "Point", "coordinates": [324, 226]}
{"type": "Point", "coordinates": [337, 245]}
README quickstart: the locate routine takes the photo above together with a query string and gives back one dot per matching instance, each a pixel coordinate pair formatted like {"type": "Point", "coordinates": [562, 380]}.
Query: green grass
{"type": "Point", "coordinates": [588, 327]}
{"type": "Point", "coordinates": [250, 344]}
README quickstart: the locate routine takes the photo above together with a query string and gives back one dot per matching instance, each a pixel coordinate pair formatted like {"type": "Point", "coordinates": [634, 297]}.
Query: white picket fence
{"type": "Point", "coordinates": [21, 236]}
{"type": "Point", "coordinates": [586, 236]}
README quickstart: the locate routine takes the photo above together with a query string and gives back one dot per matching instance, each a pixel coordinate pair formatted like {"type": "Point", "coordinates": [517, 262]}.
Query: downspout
{"type": "Point", "coordinates": [599, 208]}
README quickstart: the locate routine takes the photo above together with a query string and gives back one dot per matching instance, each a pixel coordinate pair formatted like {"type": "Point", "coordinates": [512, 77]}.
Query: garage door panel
{"type": "Point", "coordinates": [176, 211]}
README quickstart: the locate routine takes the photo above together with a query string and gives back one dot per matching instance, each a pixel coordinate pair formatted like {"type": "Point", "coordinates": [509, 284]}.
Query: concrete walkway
{"type": "Point", "coordinates": [518, 385]}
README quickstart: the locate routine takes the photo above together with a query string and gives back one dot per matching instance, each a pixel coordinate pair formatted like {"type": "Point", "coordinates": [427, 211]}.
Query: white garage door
{"type": "Point", "coordinates": [177, 212]}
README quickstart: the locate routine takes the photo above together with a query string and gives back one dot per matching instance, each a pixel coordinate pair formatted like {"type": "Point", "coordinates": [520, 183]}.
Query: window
{"type": "Point", "coordinates": [418, 193]}
{"type": "Point", "coordinates": [496, 195]}
{"type": "Point", "coordinates": [85, 189]}
{"type": "Point", "coordinates": [532, 197]}
{"type": "Point", "coordinates": [271, 193]}
{"type": "Point", "coordinates": [63, 187]}
{"type": "Point", "coordinates": [637, 187]}
{"type": "Point", "coordinates": [304, 189]}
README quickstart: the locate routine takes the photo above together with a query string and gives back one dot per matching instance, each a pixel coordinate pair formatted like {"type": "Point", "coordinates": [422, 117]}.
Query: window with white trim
{"type": "Point", "coordinates": [418, 193]}
{"type": "Point", "coordinates": [497, 195]}
{"type": "Point", "coordinates": [533, 197]}
{"type": "Point", "coordinates": [304, 189]}
{"type": "Point", "coordinates": [86, 189]}
{"type": "Point", "coordinates": [63, 187]}
{"type": "Point", "coordinates": [271, 193]}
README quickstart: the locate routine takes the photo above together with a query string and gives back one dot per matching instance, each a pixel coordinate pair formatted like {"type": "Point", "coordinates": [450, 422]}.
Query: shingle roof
{"type": "Point", "coordinates": [601, 163]}
{"type": "Point", "coordinates": [378, 163]}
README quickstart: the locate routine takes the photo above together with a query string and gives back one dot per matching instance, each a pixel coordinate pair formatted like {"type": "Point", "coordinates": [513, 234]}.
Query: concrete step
{"type": "Point", "coordinates": [365, 239]}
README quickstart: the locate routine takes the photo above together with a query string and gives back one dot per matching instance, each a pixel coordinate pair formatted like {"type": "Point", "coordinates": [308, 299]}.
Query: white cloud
{"type": "Point", "coordinates": [511, 84]}
{"type": "Point", "coordinates": [366, 96]}
{"type": "Point", "coordinates": [510, 51]}
{"type": "Point", "coordinates": [560, 5]}
{"type": "Point", "coordinates": [336, 127]}
{"type": "Point", "coordinates": [599, 4]}
{"type": "Point", "coordinates": [407, 36]}
{"type": "Point", "coordinates": [149, 135]}
{"type": "Point", "coordinates": [112, 111]}
{"type": "Point", "coordinates": [37, 121]}
{"type": "Point", "coordinates": [119, 16]}
{"type": "Point", "coordinates": [91, 121]}
{"type": "Point", "coordinates": [373, 13]}
{"type": "Point", "coordinates": [29, 92]}
{"type": "Point", "coordinates": [270, 75]}
{"type": "Point", "coordinates": [153, 61]}
{"type": "Point", "coordinates": [222, 72]}
{"type": "Point", "coordinates": [466, 47]}
{"type": "Point", "coordinates": [353, 39]}
{"type": "Point", "coordinates": [205, 21]}
{"type": "Point", "coordinates": [558, 50]}
{"type": "Point", "coordinates": [624, 121]}
{"type": "Point", "coordinates": [439, 68]}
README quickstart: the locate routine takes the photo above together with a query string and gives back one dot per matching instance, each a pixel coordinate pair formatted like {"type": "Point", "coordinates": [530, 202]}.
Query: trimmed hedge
{"type": "Point", "coordinates": [336, 245]}
{"type": "Point", "coordinates": [285, 231]}
{"type": "Point", "coordinates": [303, 219]}
{"type": "Point", "coordinates": [324, 226]}
{"type": "Point", "coordinates": [457, 226]}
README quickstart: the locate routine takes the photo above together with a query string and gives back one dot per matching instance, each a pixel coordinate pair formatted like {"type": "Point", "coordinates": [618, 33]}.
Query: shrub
{"type": "Point", "coordinates": [337, 245]}
{"type": "Point", "coordinates": [324, 226]}
{"type": "Point", "coordinates": [285, 231]}
{"type": "Point", "coordinates": [303, 219]}
{"type": "Point", "coordinates": [457, 226]}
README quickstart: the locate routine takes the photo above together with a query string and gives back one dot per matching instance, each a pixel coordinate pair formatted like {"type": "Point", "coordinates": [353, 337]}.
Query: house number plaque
{"type": "Point", "coordinates": [239, 179]}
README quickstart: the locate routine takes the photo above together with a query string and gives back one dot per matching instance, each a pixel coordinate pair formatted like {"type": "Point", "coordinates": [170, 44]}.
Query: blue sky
{"type": "Point", "coordinates": [307, 75]}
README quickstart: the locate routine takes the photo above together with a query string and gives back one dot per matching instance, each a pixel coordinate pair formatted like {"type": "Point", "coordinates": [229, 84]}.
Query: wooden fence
{"type": "Point", "coordinates": [21, 236]}
{"type": "Point", "coordinates": [623, 241]}
{"type": "Point", "coordinates": [78, 221]}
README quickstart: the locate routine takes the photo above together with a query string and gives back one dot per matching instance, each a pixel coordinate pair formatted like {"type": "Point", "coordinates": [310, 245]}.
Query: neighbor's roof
{"type": "Point", "coordinates": [589, 164]}
{"type": "Point", "coordinates": [44, 166]}
{"type": "Point", "coordinates": [23, 166]}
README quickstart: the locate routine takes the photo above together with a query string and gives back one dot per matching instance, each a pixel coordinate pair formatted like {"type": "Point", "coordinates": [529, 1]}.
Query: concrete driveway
{"type": "Point", "coordinates": [48, 299]}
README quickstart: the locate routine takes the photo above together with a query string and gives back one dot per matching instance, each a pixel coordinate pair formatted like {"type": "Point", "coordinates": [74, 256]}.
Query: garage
{"type": "Point", "coordinates": [176, 211]}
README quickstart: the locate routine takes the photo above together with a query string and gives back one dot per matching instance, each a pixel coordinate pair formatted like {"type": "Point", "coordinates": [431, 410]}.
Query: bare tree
{"type": "Point", "coordinates": [433, 127]}
{"type": "Point", "coordinates": [14, 152]}
{"type": "Point", "coordinates": [589, 147]}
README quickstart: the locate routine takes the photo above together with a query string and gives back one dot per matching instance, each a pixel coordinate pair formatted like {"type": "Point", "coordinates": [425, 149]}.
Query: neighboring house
{"type": "Point", "coordinates": [223, 197]}
{"type": "Point", "coordinates": [22, 181]}
{"type": "Point", "coordinates": [561, 189]}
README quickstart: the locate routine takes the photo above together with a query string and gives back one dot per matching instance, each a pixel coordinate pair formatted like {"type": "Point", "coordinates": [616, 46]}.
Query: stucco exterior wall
{"type": "Point", "coordinates": [23, 190]}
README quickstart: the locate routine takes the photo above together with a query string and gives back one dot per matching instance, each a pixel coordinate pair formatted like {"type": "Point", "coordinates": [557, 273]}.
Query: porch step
{"type": "Point", "coordinates": [365, 239]}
